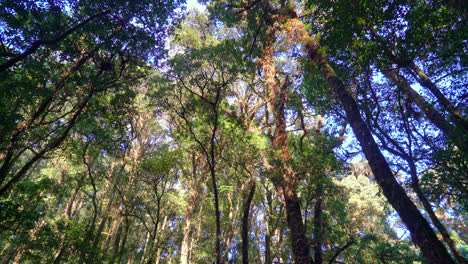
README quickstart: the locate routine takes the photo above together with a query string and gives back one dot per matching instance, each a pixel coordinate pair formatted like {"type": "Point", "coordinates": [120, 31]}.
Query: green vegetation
{"type": "Point", "coordinates": [251, 132]}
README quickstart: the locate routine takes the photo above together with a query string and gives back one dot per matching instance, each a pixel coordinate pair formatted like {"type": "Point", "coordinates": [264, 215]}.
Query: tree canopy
{"type": "Point", "coordinates": [250, 131]}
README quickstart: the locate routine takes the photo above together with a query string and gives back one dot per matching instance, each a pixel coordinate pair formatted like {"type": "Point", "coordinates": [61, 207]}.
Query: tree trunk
{"type": "Point", "coordinates": [111, 233]}
{"type": "Point", "coordinates": [115, 249]}
{"type": "Point", "coordinates": [11, 254]}
{"type": "Point", "coordinates": [421, 232]}
{"type": "Point", "coordinates": [105, 214]}
{"type": "Point", "coordinates": [318, 230]}
{"type": "Point", "coordinates": [146, 248]}
{"type": "Point", "coordinates": [433, 115]}
{"type": "Point", "coordinates": [184, 251]}
{"type": "Point", "coordinates": [425, 81]}
{"type": "Point", "coordinates": [268, 228]}
{"type": "Point", "coordinates": [158, 252]}
{"type": "Point", "coordinates": [245, 224]}
{"type": "Point", "coordinates": [267, 248]}
{"type": "Point", "coordinates": [192, 204]}
{"type": "Point", "coordinates": [217, 213]}
{"type": "Point", "coordinates": [428, 208]}
{"type": "Point", "coordinates": [283, 176]}
{"type": "Point", "coordinates": [278, 238]}
{"type": "Point", "coordinates": [68, 214]}
{"type": "Point", "coordinates": [124, 241]}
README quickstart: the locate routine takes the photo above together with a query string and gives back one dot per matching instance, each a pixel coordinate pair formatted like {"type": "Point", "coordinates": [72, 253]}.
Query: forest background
{"type": "Point", "coordinates": [250, 131]}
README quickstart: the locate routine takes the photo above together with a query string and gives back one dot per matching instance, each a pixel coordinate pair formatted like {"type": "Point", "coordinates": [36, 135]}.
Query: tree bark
{"type": "Point", "coordinates": [193, 196]}
{"type": "Point", "coordinates": [318, 230]}
{"type": "Point", "coordinates": [245, 224]}
{"type": "Point", "coordinates": [425, 81]}
{"type": "Point", "coordinates": [421, 232]}
{"type": "Point", "coordinates": [268, 227]}
{"type": "Point", "coordinates": [283, 176]}
{"type": "Point", "coordinates": [428, 208]}
{"type": "Point", "coordinates": [115, 249]}
{"type": "Point", "coordinates": [434, 116]}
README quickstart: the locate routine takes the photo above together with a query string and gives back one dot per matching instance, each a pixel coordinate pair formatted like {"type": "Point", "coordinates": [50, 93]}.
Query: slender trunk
{"type": "Point", "coordinates": [421, 232]}
{"type": "Point", "coordinates": [111, 235]}
{"type": "Point", "coordinates": [267, 247]}
{"type": "Point", "coordinates": [279, 239]}
{"type": "Point", "coordinates": [158, 254]}
{"type": "Point", "coordinates": [218, 215]}
{"type": "Point", "coordinates": [269, 229]}
{"type": "Point", "coordinates": [196, 239]}
{"type": "Point", "coordinates": [428, 208]}
{"type": "Point", "coordinates": [245, 225]}
{"type": "Point", "coordinates": [148, 254]}
{"type": "Point", "coordinates": [68, 214]}
{"type": "Point", "coordinates": [425, 81]}
{"type": "Point", "coordinates": [194, 194]}
{"type": "Point", "coordinates": [124, 241]}
{"type": "Point", "coordinates": [105, 214]}
{"type": "Point", "coordinates": [158, 249]}
{"type": "Point", "coordinates": [146, 248]}
{"type": "Point", "coordinates": [184, 249]}
{"type": "Point", "coordinates": [318, 224]}
{"type": "Point", "coordinates": [115, 249]}
{"type": "Point", "coordinates": [433, 115]}
{"type": "Point", "coordinates": [229, 231]}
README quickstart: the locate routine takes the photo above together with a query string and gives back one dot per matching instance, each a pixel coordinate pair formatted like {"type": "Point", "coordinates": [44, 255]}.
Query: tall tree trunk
{"type": "Point", "coordinates": [283, 176]}
{"type": "Point", "coordinates": [124, 240]}
{"type": "Point", "coordinates": [268, 227]}
{"type": "Point", "coordinates": [146, 247]}
{"type": "Point", "coordinates": [192, 204]}
{"type": "Point", "coordinates": [184, 249]}
{"type": "Point", "coordinates": [10, 255]}
{"type": "Point", "coordinates": [267, 247]}
{"type": "Point", "coordinates": [278, 238]}
{"type": "Point", "coordinates": [193, 193]}
{"type": "Point", "coordinates": [318, 229]}
{"type": "Point", "coordinates": [158, 250]}
{"type": "Point", "coordinates": [112, 187]}
{"type": "Point", "coordinates": [217, 213]}
{"type": "Point", "coordinates": [115, 248]}
{"type": "Point", "coordinates": [245, 224]}
{"type": "Point", "coordinates": [428, 208]}
{"type": "Point", "coordinates": [68, 214]}
{"type": "Point", "coordinates": [229, 231]}
{"type": "Point", "coordinates": [433, 115]}
{"type": "Point", "coordinates": [421, 232]}
{"type": "Point", "coordinates": [111, 233]}
{"type": "Point", "coordinates": [425, 81]}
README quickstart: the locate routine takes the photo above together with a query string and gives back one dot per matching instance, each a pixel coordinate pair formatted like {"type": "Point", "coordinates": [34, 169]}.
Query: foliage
{"type": "Point", "coordinates": [135, 132]}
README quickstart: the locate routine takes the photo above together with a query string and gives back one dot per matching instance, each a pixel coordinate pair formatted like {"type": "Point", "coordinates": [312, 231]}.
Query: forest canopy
{"type": "Point", "coordinates": [251, 131]}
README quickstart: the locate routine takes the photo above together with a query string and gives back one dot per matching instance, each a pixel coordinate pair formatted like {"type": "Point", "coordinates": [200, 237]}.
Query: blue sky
{"type": "Point", "coordinates": [194, 4]}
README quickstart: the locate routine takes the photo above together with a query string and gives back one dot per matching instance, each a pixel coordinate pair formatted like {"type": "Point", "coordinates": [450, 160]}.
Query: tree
{"type": "Point", "coordinates": [56, 57]}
